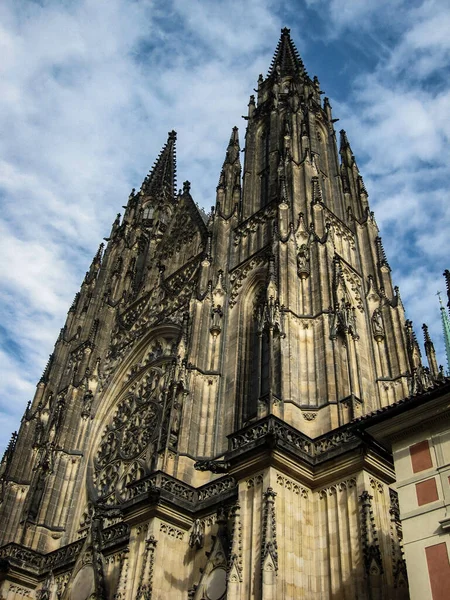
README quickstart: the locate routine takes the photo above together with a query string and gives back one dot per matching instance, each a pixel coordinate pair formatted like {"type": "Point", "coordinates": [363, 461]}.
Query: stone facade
{"type": "Point", "coordinates": [193, 434]}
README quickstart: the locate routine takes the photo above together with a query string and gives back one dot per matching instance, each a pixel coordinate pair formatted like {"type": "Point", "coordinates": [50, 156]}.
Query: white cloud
{"type": "Point", "coordinates": [87, 95]}
{"type": "Point", "coordinates": [88, 91]}
{"type": "Point", "coordinates": [398, 121]}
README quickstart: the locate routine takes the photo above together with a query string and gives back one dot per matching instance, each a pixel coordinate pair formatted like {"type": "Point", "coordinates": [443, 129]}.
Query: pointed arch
{"type": "Point", "coordinates": [260, 355]}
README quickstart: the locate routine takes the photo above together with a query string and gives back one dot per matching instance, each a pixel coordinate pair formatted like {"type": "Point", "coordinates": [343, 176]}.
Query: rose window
{"type": "Point", "coordinates": [128, 441]}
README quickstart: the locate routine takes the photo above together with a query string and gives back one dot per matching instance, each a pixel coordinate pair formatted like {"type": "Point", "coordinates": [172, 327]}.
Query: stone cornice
{"type": "Point", "coordinates": [272, 442]}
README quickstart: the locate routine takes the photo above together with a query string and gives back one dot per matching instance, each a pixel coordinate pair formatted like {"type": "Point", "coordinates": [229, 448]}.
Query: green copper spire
{"type": "Point", "coordinates": [446, 328]}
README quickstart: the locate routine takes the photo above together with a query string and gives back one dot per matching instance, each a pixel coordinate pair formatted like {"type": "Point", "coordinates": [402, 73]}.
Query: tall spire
{"type": "Point", "coordinates": [161, 180]}
{"type": "Point", "coordinates": [345, 149]}
{"type": "Point", "coordinates": [232, 154]}
{"type": "Point", "coordinates": [446, 328]}
{"type": "Point", "coordinates": [286, 58]}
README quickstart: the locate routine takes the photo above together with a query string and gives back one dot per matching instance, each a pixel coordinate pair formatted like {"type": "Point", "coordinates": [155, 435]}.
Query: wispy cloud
{"type": "Point", "coordinates": [398, 118]}
{"type": "Point", "coordinates": [89, 90]}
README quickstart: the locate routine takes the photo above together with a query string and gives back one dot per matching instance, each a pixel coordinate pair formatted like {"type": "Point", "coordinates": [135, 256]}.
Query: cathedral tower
{"type": "Point", "coordinates": [195, 432]}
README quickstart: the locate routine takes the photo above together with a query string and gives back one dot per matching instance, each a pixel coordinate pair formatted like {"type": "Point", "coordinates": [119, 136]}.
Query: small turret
{"type": "Point", "coordinates": [430, 352]}
{"type": "Point", "coordinates": [347, 157]}
{"type": "Point", "coordinates": [381, 254]}
{"type": "Point", "coordinates": [48, 366]}
{"type": "Point", "coordinates": [229, 187]}
{"type": "Point", "coordinates": [114, 228]}
{"type": "Point", "coordinates": [95, 265]}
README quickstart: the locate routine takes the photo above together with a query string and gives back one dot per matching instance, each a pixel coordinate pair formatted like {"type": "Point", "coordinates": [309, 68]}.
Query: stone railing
{"type": "Point", "coordinates": [278, 431]}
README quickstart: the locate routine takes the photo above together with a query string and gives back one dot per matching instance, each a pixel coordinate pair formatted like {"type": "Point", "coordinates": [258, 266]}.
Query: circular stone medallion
{"type": "Point", "coordinates": [217, 584]}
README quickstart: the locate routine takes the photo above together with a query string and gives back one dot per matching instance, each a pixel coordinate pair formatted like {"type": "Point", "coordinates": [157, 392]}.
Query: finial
{"type": "Point", "coordinates": [381, 254]}
{"type": "Point", "coordinates": [344, 139]}
{"type": "Point", "coordinates": [186, 187]}
{"type": "Point", "coordinates": [431, 354]}
{"type": "Point", "coordinates": [286, 59]}
{"type": "Point", "coordinates": [161, 180]}
{"type": "Point", "coordinates": [426, 334]}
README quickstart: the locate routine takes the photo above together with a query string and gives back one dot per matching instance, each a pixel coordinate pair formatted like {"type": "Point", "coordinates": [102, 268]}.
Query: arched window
{"type": "Point", "coordinates": [259, 374]}
{"type": "Point", "coordinates": [147, 212]}
{"type": "Point", "coordinates": [263, 356]}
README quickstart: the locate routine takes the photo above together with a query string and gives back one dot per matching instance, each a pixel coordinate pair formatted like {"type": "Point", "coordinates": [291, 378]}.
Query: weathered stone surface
{"type": "Point", "coordinates": [192, 434]}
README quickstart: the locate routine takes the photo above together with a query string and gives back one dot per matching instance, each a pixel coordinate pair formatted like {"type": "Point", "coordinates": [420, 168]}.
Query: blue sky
{"type": "Point", "coordinates": [89, 90]}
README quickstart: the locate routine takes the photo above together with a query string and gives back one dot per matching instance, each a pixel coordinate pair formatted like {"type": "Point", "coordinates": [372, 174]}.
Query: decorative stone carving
{"type": "Point", "coordinates": [269, 548]}
{"type": "Point", "coordinates": [376, 485]}
{"type": "Point", "coordinates": [215, 466]}
{"type": "Point", "coordinates": [171, 531]}
{"type": "Point", "coordinates": [251, 225]}
{"type": "Point", "coordinates": [128, 442]}
{"type": "Point", "coordinates": [369, 535]}
{"type": "Point", "coordinates": [239, 275]}
{"type": "Point", "coordinates": [88, 398]}
{"type": "Point", "coordinates": [20, 591]}
{"type": "Point", "coordinates": [216, 488]}
{"type": "Point", "coordinates": [337, 487]}
{"type": "Point", "coordinates": [309, 416]}
{"type": "Point", "coordinates": [396, 531]}
{"type": "Point", "coordinates": [216, 321]}
{"type": "Point", "coordinates": [254, 481]}
{"type": "Point", "coordinates": [303, 266]}
{"type": "Point", "coordinates": [145, 588]}
{"type": "Point", "coordinates": [235, 560]}
{"type": "Point", "coordinates": [197, 535]}
{"type": "Point", "coordinates": [377, 325]}
{"type": "Point", "coordinates": [292, 486]}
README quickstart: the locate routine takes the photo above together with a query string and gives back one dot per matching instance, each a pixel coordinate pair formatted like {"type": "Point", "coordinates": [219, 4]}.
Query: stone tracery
{"type": "Point", "coordinates": [128, 441]}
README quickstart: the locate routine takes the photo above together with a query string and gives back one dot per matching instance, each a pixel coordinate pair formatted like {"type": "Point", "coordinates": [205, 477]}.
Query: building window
{"type": "Point", "coordinates": [420, 456]}
{"type": "Point", "coordinates": [426, 491]}
{"type": "Point", "coordinates": [438, 570]}
{"type": "Point", "coordinates": [148, 212]}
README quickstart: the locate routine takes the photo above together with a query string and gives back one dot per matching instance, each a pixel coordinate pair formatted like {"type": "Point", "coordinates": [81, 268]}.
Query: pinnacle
{"type": "Point", "coordinates": [286, 58]}
{"type": "Point", "coordinates": [233, 146]}
{"type": "Point", "coordinates": [232, 155]}
{"type": "Point", "coordinates": [344, 140]}
{"type": "Point", "coordinates": [426, 334]}
{"type": "Point", "coordinates": [381, 254]}
{"type": "Point", "coordinates": [161, 180]}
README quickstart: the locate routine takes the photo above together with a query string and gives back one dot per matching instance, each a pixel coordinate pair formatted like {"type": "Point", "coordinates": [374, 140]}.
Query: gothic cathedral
{"type": "Point", "coordinates": [195, 432]}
